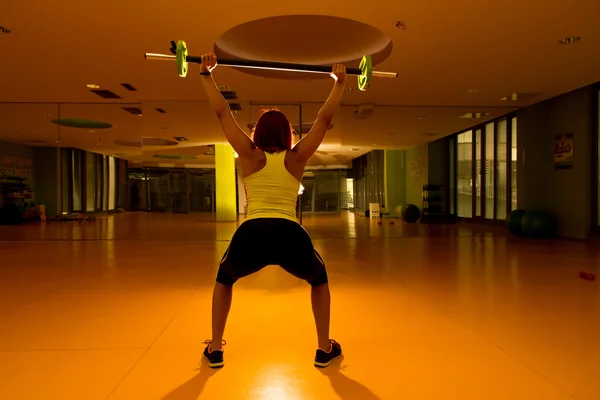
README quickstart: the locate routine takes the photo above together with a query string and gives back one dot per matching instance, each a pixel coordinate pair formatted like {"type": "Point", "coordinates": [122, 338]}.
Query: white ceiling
{"type": "Point", "coordinates": [56, 48]}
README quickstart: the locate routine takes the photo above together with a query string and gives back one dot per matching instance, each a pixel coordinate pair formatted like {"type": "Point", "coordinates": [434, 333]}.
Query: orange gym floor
{"type": "Point", "coordinates": [118, 309]}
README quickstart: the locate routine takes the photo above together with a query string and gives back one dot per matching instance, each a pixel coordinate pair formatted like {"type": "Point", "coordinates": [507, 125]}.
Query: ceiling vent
{"type": "Point", "coordinates": [364, 111]}
{"type": "Point", "coordinates": [235, 106]}
{"type": "Point", "coordinates": [228, 94]}
{"type": "Point", "coordinates": [133, 110]}
{"type": "Point", "coordinates": [105, 94]}
{"type": "Point", "coordinates": [129, 87]}
{"type": "Point", "coordinates": [211, 150]}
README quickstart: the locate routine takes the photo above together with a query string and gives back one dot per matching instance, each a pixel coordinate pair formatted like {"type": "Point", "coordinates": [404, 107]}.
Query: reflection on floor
{"type": "Point", "coordinates": [118, 309]}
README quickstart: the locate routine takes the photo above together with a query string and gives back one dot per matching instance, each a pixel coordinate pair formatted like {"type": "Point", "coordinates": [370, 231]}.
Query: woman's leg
{"type": "Point", "coordinates": [321, 303]}
{"type": "Point", "coordinates": [221, 304]}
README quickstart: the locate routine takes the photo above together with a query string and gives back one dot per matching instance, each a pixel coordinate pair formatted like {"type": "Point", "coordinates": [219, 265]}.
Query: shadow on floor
{"type": "Point", "coordinates": [192, 389]}
{"type": "Point", "coordinates": [344, 387]}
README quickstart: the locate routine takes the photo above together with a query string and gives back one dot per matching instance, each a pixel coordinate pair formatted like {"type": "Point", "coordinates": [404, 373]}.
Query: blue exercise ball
{"type": "Point", "coordinates": [514, 222]}
{"type": "Point", "coordinates": [539, 224]}
{"type": "Point", "coordinates": [411, 213]}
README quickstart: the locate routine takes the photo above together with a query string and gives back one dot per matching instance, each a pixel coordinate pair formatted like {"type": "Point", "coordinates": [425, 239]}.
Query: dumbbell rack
{"type": "Point", "coordinates": [433, 209]}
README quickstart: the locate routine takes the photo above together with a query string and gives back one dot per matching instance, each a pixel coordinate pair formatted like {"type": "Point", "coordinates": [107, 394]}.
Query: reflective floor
{"type": "Point", "coordinates": [118, 309]}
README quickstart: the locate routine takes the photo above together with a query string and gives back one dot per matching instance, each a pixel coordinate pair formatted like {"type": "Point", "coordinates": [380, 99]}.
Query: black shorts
{"type": "Point", "coordinates": [271, 241]}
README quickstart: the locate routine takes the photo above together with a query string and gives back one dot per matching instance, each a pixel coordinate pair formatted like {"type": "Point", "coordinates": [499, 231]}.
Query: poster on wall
{"type": "Point", "coordinates": [563, 151]}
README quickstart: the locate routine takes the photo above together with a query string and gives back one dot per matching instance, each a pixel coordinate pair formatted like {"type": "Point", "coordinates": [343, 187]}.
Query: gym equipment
{"type": "Point", "coordinates": [72, 218]}
{"type": "Point", "coordinates": [180, 56]}
{"type": "Point", "coordinates": [513, 222]}
{"type": "Point", "coordinates": [587, 276]}
{"type": "Point", "coordinates": [411, 213]}
{"type": "Point", "coordinates": [539, 224]}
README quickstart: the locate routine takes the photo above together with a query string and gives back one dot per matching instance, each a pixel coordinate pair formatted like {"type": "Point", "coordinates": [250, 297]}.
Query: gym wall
{"type": "Point", "coordinates": [47, 169]}
{"type": "Point", "coordinates": [566, 193]}
{"type": "Point", "coordinates": [417, 174]}
{"type": "Point", "coordinates": [18, 160]}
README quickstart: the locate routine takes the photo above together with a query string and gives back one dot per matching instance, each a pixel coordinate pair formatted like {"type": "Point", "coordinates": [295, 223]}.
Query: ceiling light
{"type": "Point", "coordinates": [139, 115]}
{"type": "Point", "coordinates": [519, 96]}
{"type": "Point", "coordinates": [422, 118]}
{"type": "Point", "coordinates": [92, 131]}
{"type": "Point", "coordinates": [45, 115]}
{"type": "Point", "coordinates": [473, 91]}
{"type": "Point", "coordinates": [474, 115]}
{"type": "Point", "coordinates": [569, 40]}
{"type": "Point", "coordinates": [92, 86]}
{"type": "Point", "coordinates": [180, 138]}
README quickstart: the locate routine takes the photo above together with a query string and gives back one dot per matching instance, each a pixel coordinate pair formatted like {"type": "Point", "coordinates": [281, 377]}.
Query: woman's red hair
{"type": "Point", "coordinates": [273, 132]}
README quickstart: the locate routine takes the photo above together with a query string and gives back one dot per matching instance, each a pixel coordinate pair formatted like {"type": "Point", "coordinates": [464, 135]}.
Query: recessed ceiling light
{"type": "Point", "coordinates": [180, 138]}
{"type": "Point", "coordinates": [474, 115]}
{"type": "Point", "coordinates": [92, 131]}
{"type": "Point", "coordinates": [473, 91]}
{"type": "Point", "coordinates": [45, 115]}
{"type": "Point", "coordinates": [569, 40]}
{"type": "Point", "coordinates": [422, 118]}
{"type": "Point", "coordinates": [92, 86]}
{"type": "Point", "coordinates": [139, 115]}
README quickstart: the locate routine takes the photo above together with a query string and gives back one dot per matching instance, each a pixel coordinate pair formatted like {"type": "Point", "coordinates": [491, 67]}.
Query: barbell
{"type": "Point", "coordinates": [180, 55]}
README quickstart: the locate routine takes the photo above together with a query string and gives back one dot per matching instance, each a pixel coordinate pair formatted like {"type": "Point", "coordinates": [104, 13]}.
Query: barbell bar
{"type": "Point", "coordinates": [180, 54]}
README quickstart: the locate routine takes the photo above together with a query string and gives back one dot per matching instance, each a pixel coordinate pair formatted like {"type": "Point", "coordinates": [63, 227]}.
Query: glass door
{"type": "Point", "coordinates": [464, 175]}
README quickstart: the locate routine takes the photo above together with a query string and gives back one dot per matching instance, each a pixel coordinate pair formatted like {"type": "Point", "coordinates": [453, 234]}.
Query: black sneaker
{"type": "Point", "coordinates": [214, 357]}
{"type": "Point", "coordinates": [323, 359]}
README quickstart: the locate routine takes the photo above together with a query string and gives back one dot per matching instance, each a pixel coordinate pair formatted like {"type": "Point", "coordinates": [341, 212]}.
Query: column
{"type": "Point", "coordinates": [394, 180]}
{"type": "Point", "coordinates": [226, 194]}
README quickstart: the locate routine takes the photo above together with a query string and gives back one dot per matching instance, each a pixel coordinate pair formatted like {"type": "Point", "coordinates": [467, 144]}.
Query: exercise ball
{"type": "Point", "coordinates": [539, 224]}
{"type": "Point", "coordinates": [514, 222]}
{"type": "Point", "coordinates": [411, 213]}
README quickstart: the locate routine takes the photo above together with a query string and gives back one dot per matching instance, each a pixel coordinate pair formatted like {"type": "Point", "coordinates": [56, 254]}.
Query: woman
{"type": "Point", "coordinates": [271, 234]}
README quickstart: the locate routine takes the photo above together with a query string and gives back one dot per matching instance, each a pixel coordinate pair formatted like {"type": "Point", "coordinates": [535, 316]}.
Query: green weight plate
{"type": "Point", "coordinates": [366, 67]}
{"type": "Point", "coordinates": [182, 64]}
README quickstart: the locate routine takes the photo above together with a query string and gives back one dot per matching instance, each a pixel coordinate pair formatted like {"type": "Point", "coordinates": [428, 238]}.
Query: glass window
{"type": "Point", "coordinates": [490, 171]}
{"type": "Point", "coordinates": [112, 182]}
{"type": "Point", "coordinates": [513, 164]}
{"type": "Point", "coordinates": [464, 181]}
{"type": "Point", "coordinates": [76, 167]}
{"type": "Point", "coordinates": [452, 192]}
{"type": "Point", "coordinates": [501, 165]}
{"type": "Point", "coordinates": [105, 183]}
{"type": "Point", "coordinates": [90, 181]}
{"type": "Point", "coordinates": [478, 173]}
